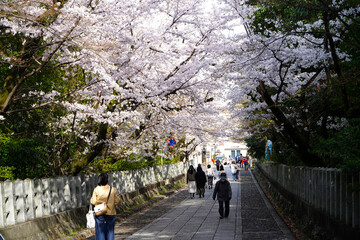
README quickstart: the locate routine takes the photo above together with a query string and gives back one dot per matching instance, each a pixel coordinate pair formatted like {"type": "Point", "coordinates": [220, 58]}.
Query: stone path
{"type": "Point", "coordinates": [179, 217]}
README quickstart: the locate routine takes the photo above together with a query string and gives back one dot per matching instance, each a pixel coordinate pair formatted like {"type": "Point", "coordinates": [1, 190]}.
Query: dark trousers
{"type": "Point", "coordinates": [221, 208]}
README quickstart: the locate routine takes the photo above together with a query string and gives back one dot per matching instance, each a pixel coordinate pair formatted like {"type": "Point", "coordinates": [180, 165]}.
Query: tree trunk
{"type": "Point", "coordinates": [301, 142]}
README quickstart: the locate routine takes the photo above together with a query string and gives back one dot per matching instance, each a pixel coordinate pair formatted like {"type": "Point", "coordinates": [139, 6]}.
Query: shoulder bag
{"type": "Point", "coordinates": [102, 208]}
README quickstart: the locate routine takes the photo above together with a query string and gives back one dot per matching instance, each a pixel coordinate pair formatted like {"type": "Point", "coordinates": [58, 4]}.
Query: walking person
{"type": "Point", "coordinates": [210, 176]}
{"type": "Point", "coordinates": [241, 158]}
{"type": "Point", "coordinates": [221, 167]}
{"type": "Point", "coordinates": [246, 162]}
{"type": "Point", "coordinates": [238, 171]}
{"type": "Point", "coordinates": [233, 169]}
{"type": "Point", "coordinates": [104, 193]}
{"type": "Point", "coordinates": [224, 194]}
{"type": "Point", "coordinates": [217, 164]}
{"type": "Point", "coordinates": [190, 180]}
{"type": "Point", "coordinates": [200, 179]}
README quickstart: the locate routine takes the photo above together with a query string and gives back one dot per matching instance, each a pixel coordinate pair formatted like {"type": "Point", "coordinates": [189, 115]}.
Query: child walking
{"type": "Point", "coordinates": [224, 194]}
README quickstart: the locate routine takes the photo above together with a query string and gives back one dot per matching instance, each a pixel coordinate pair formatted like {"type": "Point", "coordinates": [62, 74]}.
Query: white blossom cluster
{"type": "Point", "coordinates": [284, 62]}
{"type": "Point", "coordinates": [148, 64]}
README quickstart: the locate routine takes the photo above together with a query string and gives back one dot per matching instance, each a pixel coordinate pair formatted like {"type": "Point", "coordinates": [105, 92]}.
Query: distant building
{"type": "Point", "coordinates": [204, 153]}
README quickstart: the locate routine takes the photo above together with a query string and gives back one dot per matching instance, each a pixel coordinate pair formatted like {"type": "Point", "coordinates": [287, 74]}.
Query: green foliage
{"type": "Point", "coordinates": [6, 173]}
{"type": "Point", "coordinates": [256, 146]}
{"type": "Point", "coordinates": [23, 158]}
{"type": "Point", "coordinates": [341, 148]}
{"type": "Point", "coordinates": [132, 162]}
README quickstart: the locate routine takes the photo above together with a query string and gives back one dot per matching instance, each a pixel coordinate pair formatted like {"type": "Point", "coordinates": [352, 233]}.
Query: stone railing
{"type": "Point", "coordinates": [330, 190]}
{"type": "Point", "coordinates": [23, 200]}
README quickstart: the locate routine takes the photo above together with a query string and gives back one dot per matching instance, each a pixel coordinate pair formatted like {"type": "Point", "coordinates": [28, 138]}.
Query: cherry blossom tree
{"type": "Point", "coordinates": [287, 67]}
{"type": "Point", "coordinates": [132, 74]}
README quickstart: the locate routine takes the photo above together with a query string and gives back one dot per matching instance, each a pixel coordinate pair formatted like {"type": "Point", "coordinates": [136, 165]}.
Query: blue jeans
{"type": "Point", "coordinates": [234, 176]}
{"type": "Point", "coordinates": [104, 227]}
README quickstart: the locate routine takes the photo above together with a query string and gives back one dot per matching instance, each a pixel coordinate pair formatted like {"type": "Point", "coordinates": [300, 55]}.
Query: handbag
{"type": "Point", "coordinates": [101, 209]}
{"type": "Point", "coordinates": [90, 218]}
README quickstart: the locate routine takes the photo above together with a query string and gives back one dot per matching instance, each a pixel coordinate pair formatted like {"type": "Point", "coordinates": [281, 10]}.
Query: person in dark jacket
{"type": "Point", "coordinates": [200, 179]}
{"type": "Point", "coordinates": [224, 194]}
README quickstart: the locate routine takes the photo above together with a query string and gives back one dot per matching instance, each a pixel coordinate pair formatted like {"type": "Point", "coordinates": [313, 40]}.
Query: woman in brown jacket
{"type": "Point", "coordinates": [105, 224]}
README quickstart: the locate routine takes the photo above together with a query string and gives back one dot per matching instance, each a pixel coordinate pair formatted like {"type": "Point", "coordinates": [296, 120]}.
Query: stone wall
{"type": "Point", "coordinates": [324, 201]}
{"type": "Point", "coordinates": [24, 201]}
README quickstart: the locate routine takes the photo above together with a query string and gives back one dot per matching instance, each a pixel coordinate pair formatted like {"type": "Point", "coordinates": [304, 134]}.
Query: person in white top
{"type": "Point", "coordinates": [210, 175]}
{"type": "Point", "coordinates": [233, 168]}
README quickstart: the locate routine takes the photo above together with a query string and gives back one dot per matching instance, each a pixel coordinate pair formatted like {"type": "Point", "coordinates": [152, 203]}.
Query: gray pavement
{"type": "Point", "coordinates": [251, 217]}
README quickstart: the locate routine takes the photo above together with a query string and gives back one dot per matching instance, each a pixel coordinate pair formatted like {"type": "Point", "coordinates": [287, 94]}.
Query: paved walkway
{"type": "Point", "coordinates": [251, 217]}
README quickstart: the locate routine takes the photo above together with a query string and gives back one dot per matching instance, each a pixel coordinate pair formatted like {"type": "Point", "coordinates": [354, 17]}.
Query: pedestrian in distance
{"type": "Point", "coordinates": [190, 180]}
{"type": "Point", "coordinates": [224, 194]}
{"type": "Point", "coordinates": [246, 162]}
{"type": "Point", "coordinates": [233, 169]}
{"type": "Point", "coordinates": [103, 192]}
{"type": "Point", "coordinates": [241, 158]}
{"type": "Point", "coordinates": [238, 171]}
{"type": "Point", "coordinates": [200, 179]}
{"type": "Point", "coordinates": [217, 164]}
{"type": "Point", "coordinates": [221, 167]}
{"type": "Point", "coordinates": [210, 176]}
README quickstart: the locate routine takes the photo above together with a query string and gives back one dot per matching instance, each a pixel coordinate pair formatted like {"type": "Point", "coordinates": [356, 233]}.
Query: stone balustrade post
{"type": "Point", "coordinates": [38, 200]}
{"type": "Point", "coordinates": [327, 190]}
{"type": "Point", "coordinates": [9, 206]}
{"type": "Point", "coordinates": [337, 193]}
{"type": "Point", "coordinates": [60, 186]}
{"type": "Point", "coordinates": [349, 204]}
{"type": "Point", "coordinates": [355, 200]}
{"type": "Point", "coordinates": [19, 201]}
{"type": "Point", "coordinates": [72, 184]}
{"type": "Point", "coordinates": [29, 191]}
{"type": "Point", "coordinates": [67, 192]}
{"type": "Point", "coordinates": [54, 196]}
{"type": "Point", "coordinates": [46, 197]}
{"type": "Point", "coordinates": [77, 196]}
{"type": "Point", "coordinates": [332, 192]}
{"type": "Point", "coordinates": [2, 205]}
{"type": "Point", "coordinates": [84, 190]}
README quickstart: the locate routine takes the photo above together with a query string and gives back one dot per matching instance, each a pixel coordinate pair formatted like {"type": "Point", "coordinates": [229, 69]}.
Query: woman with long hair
{"type": "Point", "coordinates": [190, 180]}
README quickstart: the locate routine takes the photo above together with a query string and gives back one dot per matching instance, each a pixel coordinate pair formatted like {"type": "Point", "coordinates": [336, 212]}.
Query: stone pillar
{"type": "Point", "coordinates": [60, 185]}
{"type": "Point", "coordinates": [46, 196]}
{"type": "Point", "coordinates": [72, 184]}
{"type": "Point", "coordinates": [2, 206]}
{"type": "Point", "coordinates": [355, 201]}
{"type": "Point", "coordinates": [29, 199]}
{"type": "Point", "coordinates": [19, 201]}
{"type": "Point", "coordinates": [9, 205]}
{"type": "Point", "coordinates": [54, 196]}
{"type": "Point", "coordinates": [77, 182]}
{"type": "Point", "coordinates": [337, 194]}
{"type": "Point", "coordinates": [348, 206]}
{"type": "Point", "coordinates": [84, 190]}
{"type": "Point", "coordinates": [342, 196]}
{"type": "Point", "coordinates": [332, 192]}
{"type": "Point", "coordinates": [38, 199]}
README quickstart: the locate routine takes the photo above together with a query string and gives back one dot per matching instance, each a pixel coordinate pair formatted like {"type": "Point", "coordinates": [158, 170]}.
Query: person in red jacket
{"type": "Point", "coordinates": [246, 162]}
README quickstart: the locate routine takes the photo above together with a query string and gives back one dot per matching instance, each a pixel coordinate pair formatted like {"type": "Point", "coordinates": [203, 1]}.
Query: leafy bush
{"type": "Point", "coordinates": [341, 149]}
{"type": "Point", "coordinates": [23, 158]}
{"type": "Point", "coordinates": [6, 173]}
